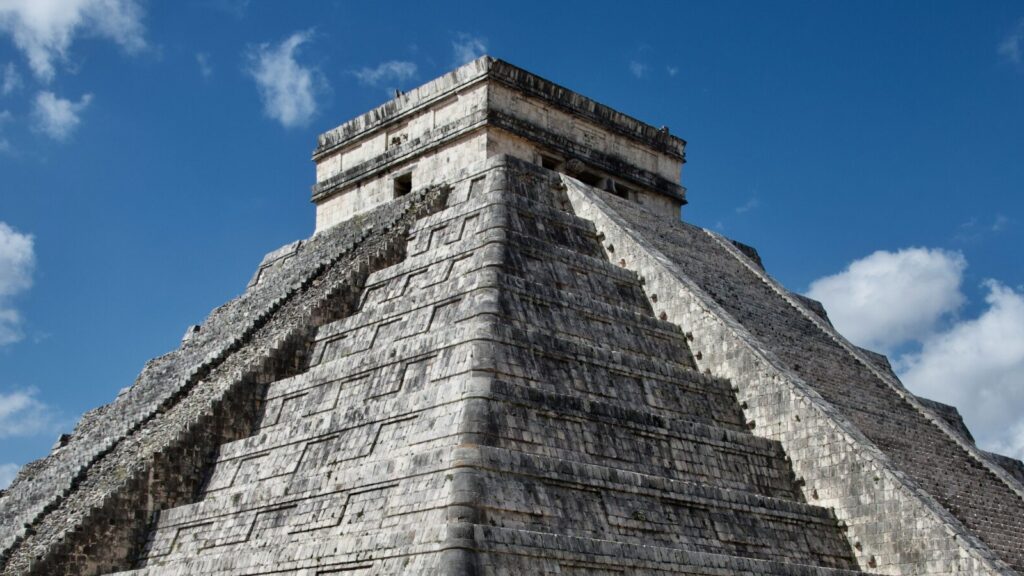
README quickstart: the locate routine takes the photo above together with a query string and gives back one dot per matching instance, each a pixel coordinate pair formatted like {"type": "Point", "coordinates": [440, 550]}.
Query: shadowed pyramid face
{"type": "Point", "coordinates": [504, 355]}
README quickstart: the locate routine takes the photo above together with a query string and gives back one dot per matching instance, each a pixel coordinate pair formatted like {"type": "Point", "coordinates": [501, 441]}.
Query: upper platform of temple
{"type": "Point", "coordinates": [489, 107]}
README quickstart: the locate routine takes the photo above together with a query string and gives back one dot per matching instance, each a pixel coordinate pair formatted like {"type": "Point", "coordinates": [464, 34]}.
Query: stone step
{"type": "Point", "coordinates": [576, 316]}
{"type": "Point", "coordinates": [529, 552]}
{"type": "Point", "coordinates": [565, 427]}
{"type": "Point", "coordinates": [628, 380]}
{"type": "Point", "coordinates": [535, 493]}
{"type": "Point", "coordinates": [498, 551]}
{"type": "Point", "coordinates": [618, 505]}
{"type": "Point", "coordinates": [544, 262]}
{"type": "Point", "coordinates": [522, 215]}
{"type": "Point", "coordinates": [522, 355]}
{"type": "Point", "coordinates": [573, 499]}
{"type": "Point", "coordinates": [484, 288]}
{"type": "Point", "coordinates": [567, 315]}
{"type": "Point", "coordinates": [588, 255]}
{"type": "Point", "coordinates": [531, 420]}
{"type": "Point", "coordinates": [305, 507]}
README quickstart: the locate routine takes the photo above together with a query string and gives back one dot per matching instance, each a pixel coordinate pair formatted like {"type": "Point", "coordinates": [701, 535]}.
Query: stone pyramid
{"type": "Point", "coordinates": [503, 353]}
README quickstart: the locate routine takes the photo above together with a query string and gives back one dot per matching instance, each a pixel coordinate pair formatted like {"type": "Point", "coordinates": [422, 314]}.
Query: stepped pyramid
{"type": "Point", "coordinates": [503, 353]}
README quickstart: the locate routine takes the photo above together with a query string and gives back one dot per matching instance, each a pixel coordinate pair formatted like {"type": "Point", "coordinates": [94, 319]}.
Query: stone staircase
{"type": "Point", "coordinates": [984, 503]}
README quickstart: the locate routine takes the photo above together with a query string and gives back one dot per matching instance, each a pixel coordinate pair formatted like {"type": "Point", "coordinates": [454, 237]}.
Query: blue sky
{"type": "Point", "coordinates": [150, 153]}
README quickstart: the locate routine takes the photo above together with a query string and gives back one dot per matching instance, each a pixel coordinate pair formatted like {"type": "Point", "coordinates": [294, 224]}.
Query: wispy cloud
{"type": "Point", "coordinates": [1012, 47]}
{"type": "Point", "coordinates": [288, 88]}
{"type": "Point", "coordinates": [11, 79]}
{"type": "Point", "coordinates": [466, 48]}
{"type": "Point", "coordinates": [7, 474]}
{"type": "Point", "coordinates": [57, 117]}
{"type": "Point", "coordinates": [23, 414]}
{"type": "Point", "coordinates": [17, 263]}
{"type": "Point", "coordinates": [638, 69]}
{"type": "Point", "coordinates": [44, 30]}
{"type": "Point", "coordinates": [752, 204]}
{"type": "Point", "coordinates": [671, 70]}
{"type": "Point", "coordinates": [975, 229]}
{"type": "Point", "coordinates": [205, 68]}
{"type": "Point", "coordinates": [390, 71]}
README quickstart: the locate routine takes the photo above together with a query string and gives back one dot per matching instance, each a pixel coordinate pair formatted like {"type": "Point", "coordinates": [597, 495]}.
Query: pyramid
{"type": "Point", "coordinates": [502, 352]}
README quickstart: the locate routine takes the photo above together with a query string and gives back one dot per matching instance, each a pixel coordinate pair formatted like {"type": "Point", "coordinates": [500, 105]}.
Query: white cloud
{"type": "Point", "coordinates": [22, 414]}
{"type": "Point", "coordinates": [975, 230]}
{"type": "Point", "coordinates": [287, 87]}
{"type": "Point", "coordinates": [57, 117]}
{"type": "Point", "coordinates": [391, 71]}
{"type": "Point", "coordinates": [1010, 443]}
{"type": "Point", "coordinates": [7, 474]}
{"type": "Point", "coordinates": [1012, 47]}
{"type": "Point", "coordinates": [672, 70]}
{"type": "Point", "coordinates": [638, 69]}
{"type": "Point", "coordinates": [205, 68]}
{"type": "Point", "coordinates": [749, 205]}
{"type": "Point", "coordinates": [890, 298]}
{"type": "Point", "coordinates": [45, 29]}
{"type": "Point", "coordinates": [11, 80]}
{"type": "Point", "coordinates": [17, 261]}
{"type": "Point", "coordinates": [467, 48]}
{"type": "Point", "coordinates": [978, 366]}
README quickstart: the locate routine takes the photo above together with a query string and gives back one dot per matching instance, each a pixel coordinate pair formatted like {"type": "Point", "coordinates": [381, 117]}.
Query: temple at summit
{"type": "Point", "coordinates": [504, 351]}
